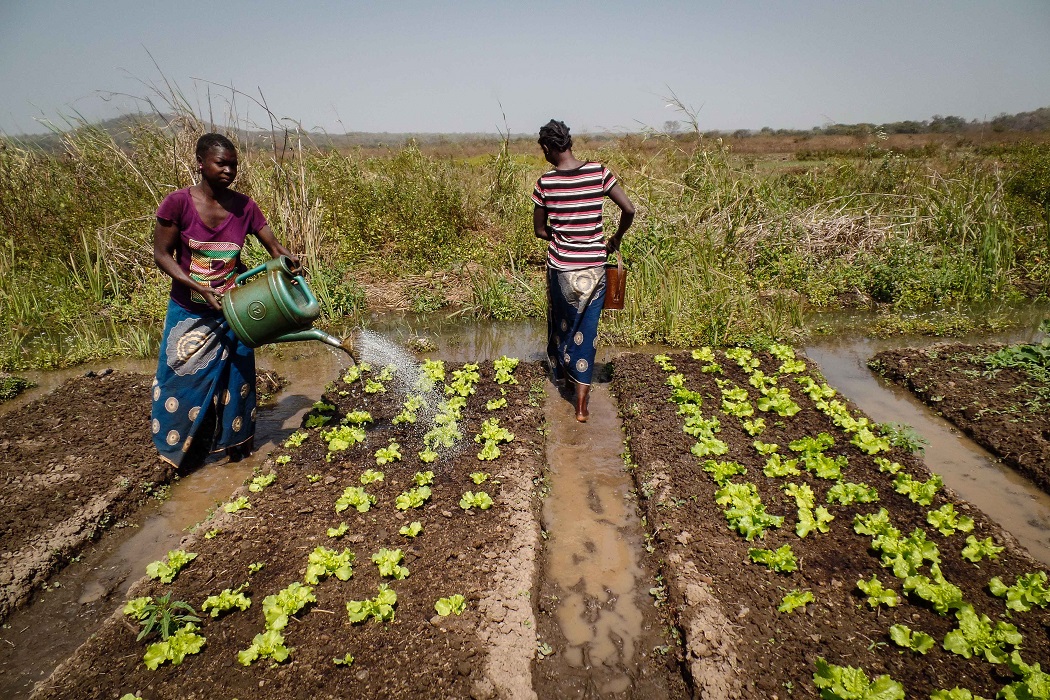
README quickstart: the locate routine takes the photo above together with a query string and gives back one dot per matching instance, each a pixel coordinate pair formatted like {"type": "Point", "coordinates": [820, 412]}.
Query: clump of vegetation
{"type": "Point", "coordinates": [727, 252]}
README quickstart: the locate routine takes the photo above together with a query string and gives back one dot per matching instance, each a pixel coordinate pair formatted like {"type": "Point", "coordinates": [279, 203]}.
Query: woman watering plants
{"type": "Point", "coordinates": [568, 213]}
{"type": "Point", "coordinates": [204, 393]}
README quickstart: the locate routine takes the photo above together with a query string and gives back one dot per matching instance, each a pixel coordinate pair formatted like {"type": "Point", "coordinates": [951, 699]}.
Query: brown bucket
{"type": "Point", "coordinates": [615, 284]}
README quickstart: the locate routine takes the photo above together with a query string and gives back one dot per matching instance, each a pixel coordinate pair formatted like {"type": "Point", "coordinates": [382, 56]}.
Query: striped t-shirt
{"type": "Point", "coordinates": [573, 200]}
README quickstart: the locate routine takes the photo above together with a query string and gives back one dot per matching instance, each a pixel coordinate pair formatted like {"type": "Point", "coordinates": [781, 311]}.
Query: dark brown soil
{"type": "Point", "coordinates": [487, 556]}
{"type": "Point", "coordinates": [71, 464]}
{"type": "Point", "coordinates": [1004, 411]}
{"type": "Point", "coordinates": [736, 643]}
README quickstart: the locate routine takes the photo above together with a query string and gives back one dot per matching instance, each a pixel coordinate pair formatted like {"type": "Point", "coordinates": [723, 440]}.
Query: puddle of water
{"type": "Point", "coordinates": [970, 471]}
{"type": "Point", "coordinates": [38, 637]}
{"type": "Point", "coordinates": [593, 551]}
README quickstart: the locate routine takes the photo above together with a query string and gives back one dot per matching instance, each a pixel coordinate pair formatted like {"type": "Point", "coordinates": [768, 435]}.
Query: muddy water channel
{"type": "Point", "coordinates": [969, 470]}
{"type": "Point", "coordinates": [595, 582]}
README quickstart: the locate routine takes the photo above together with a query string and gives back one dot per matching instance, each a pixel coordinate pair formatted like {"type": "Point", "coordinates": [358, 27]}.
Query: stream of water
{"type": "Point", "coordinates": [594, 550]}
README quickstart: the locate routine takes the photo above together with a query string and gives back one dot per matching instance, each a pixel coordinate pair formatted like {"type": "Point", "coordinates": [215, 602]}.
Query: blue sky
{"type": "Point", "coordinates": [458, 66]}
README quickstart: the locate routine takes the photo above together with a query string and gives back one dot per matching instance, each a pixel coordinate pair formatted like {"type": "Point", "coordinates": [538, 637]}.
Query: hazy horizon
{"type": "Point", "coordinates": [441, 68]}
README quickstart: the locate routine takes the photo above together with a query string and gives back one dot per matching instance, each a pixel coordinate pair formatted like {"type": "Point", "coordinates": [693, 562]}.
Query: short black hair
{"type": "Point", "coordinates": [555, 136]}
{"type": "Point", "coordinates": [209, 141]}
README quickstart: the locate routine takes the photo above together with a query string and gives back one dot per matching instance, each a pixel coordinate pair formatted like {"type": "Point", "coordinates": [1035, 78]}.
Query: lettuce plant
{"type": "Point", "coordinates": [976, 550]}
{"type": "Point", "coordinates": [849, 683]}
{"type": "Point", "coordinates": [794, 600]}
{"type": "Point", "coordinates": [357, 497]}
{"type": "Point", "coordinates": [277, 608]}
{"type": "Point", "coordinates": [936, 590]}
{"type": "Point", "coordinates": [504, 368]}
{"type": "Point", "coordinates": [238, 504]}
{"type": "Point", "coordinates": [175, 648]}
{"type": "Point", "coordinates": [453, 605]}
{"type": "Point", "coordinates": [921, 492]}
{"type": "Point", "coordinates": [261, 481]}
{"type": "Point", "coordinates": [665, 363]}
{"type": "Point", "coordinates": [413, 498]}
{"type": "Point", "coordinates": [947, 521]}
{"type": "Point", "coordinates": [475, 500]}
{"type": "Point", "coordinates": [380, 608]}
{"type": "Point", "coordinates": [166, 571]}
{"type": "Point", "coordinates": [845, 493]}
{"type": "Point", "coordinates": [977, 636]}
{"type": "Point", "coordinates": [754, 427]}
{"type": "Point", "coordinates": [388, 561]}
{"type": "Point", "coordinates": [777, 466]}
{"type": "Point", "coordinates": [869, 443]}
{"type": "Point", "coordinates": [412, 529]}
{"type": "Point", "coordinates": [1029, 590]}
{"type": "Point", "coordinates": [296, 439]}
{"type": "Point", "coordinates": [1034, 683]}
{"type": "Point", "coordinates": [389, 454]}
{"type": "Point", "coordinates": [370, 476]}
{"type": "Point", "coordinates": [327, 562]}
{"type": "Point", "coordinates": [227, 600]}
{"type": "Point", "coordinates": [904, 636]}
{"type": "Point", "coordinates": [722, 471]}
{"type": "Point", "coordinates": [782, 560]}
{"type": "Point", "coordinates": [746, 513]}
{"type": "Point", "coordinates": [338, 531]}
{"type": "Point", "coordinates": [268, 644]}
{"type": "Point", "coordinates": [877, 594]}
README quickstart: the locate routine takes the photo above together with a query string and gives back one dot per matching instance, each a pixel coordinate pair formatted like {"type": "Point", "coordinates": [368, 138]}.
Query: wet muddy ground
{"type": "Point", "coordinates": [679, 606]}
{"type": "Point", "coordinates": [72, 464]}
{"type": "Point", "coordinates": [606, 638]}
{"type": "Point", "coordinates": [1004, 410]}
{"type": "Point", "coordinates": [736, 643]}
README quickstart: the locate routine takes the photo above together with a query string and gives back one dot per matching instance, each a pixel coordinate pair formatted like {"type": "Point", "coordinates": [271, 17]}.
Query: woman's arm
{"type": "Point", "coordinates": [617, 195]}
{"type": "Point", "coordinates": [539, 223]}
{"type": "Point", "coordinates": [275, 249]}
{"type": "Point", "coordinates": [165, 241]}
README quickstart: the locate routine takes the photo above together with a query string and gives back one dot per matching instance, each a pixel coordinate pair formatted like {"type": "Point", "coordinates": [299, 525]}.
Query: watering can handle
{"type": "Point", "coordinates": [310, 298]}
{"type": "Point", "coordinates": [245, 276]}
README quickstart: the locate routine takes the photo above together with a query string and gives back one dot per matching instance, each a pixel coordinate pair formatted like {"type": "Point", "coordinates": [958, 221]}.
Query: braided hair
{"type": "Point", "coordinates": [209, 141]}
{"type": "Point", "coordinates": [555, 136]}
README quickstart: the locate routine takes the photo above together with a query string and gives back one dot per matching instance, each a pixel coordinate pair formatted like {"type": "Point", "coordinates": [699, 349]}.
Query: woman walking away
{"type": "Point", "coordinates": [204, 393]}
{"type": "Point", "coordinates": [568, 213]}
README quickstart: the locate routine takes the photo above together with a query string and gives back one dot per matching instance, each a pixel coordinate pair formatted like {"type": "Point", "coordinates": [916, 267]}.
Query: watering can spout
{"type": "Point", "coordinates": [344, 344]}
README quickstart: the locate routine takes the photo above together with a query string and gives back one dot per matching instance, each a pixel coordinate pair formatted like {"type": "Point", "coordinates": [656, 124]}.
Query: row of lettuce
{"type": "Point", "coordinates": [913, 559]}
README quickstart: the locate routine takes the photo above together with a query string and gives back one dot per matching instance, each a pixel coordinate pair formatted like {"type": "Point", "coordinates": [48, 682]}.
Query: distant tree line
{"type": "Point", "coordinates": [1037, 120]}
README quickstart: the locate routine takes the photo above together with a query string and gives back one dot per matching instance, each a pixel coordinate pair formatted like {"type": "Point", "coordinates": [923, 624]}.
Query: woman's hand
{"type": "Point", "coordinates": [295, 264]}
{"type": "Point", "coordinates": [613, 244]}
{"type": "Point", "coordinates": [212, 296]}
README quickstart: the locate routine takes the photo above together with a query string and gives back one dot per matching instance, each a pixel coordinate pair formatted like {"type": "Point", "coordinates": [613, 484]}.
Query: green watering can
{"type": "Point", "coordinates": [269, 304]}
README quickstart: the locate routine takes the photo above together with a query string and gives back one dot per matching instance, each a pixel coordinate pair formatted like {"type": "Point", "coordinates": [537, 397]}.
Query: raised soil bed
{"type": "Point", "coordinates": [736, 643]}
{"type": "Point", "coordinates": [1005, 411]}
{"type": "Point", "coordinates": [488, 556]}
{"type": "Point", "coordinates": [72, 463]}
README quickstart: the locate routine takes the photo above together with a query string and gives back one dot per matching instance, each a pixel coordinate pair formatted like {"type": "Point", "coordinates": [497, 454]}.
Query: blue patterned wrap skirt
{"type": "Point", "coordinates": [202, 368]}
{"type": "Point", "coordinates": [576, 298]}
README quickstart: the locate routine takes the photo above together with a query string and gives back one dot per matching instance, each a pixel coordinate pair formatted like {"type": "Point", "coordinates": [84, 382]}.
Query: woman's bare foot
{"type": "Point", "coordinates": [582, 399]}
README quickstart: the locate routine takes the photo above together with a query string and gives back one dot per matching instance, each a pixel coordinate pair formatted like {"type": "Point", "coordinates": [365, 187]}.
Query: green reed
{"type": "Point", "coordinates": [722, 251]}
